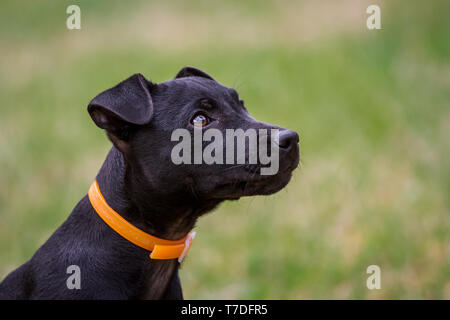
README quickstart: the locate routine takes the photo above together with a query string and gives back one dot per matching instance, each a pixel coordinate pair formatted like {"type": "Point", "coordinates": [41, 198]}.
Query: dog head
{"type": "Point", "coordinates": [192, 137]}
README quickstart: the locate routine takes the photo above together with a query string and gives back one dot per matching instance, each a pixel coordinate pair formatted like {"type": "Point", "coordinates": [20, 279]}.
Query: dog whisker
{"type": "Point", "coordinates": [233, 167]}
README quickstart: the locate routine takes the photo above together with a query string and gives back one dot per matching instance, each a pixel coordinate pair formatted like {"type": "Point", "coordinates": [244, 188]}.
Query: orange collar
{"type": "Point", "coordinates": [160, 248]}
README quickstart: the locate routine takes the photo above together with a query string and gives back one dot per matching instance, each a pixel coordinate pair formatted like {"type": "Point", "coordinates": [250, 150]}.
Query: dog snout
{"type": "Point", "coordinates": [287, 139]}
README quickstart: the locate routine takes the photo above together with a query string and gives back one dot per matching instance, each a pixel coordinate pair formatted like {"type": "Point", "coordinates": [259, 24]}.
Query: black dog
{"type": "Point", "coordinates": [141, 183]}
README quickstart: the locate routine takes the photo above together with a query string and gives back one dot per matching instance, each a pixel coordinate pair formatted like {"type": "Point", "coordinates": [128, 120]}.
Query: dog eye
{"type": "Point", "coordinates": [200, 120]}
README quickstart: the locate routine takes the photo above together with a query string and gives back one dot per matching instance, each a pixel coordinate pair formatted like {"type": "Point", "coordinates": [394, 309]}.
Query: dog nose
{"type": "Point", "coordinates": [287, 139]}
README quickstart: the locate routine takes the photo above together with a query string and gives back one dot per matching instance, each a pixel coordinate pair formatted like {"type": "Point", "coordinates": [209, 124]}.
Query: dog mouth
{"type": "Point", "coordinates": [242, 180]}
{"type": "Point", "coordinates": [252, 183]}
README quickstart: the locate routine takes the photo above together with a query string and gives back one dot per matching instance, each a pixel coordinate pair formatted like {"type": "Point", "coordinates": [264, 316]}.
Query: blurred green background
{"type": "Point", "coordinates": [371, 107]}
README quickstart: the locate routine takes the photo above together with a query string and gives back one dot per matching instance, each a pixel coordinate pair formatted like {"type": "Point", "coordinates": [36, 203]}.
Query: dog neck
{"type": "Point", "coordinates": [154, 215]}
{"type": "Point", "coordinates": [124, 191]}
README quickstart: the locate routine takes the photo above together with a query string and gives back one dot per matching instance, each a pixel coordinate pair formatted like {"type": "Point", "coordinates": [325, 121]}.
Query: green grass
{"type": "Point", "coordinates": [371, 107]}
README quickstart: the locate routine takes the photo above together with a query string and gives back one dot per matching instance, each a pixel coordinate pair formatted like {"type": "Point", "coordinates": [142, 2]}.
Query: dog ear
{"type": "Point", "coordinates": [192, 72]}
{"type": "Point", "coordinates": [120, 108]}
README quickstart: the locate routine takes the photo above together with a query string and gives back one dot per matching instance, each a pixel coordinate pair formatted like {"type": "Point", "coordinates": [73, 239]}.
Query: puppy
{"type": "Point", "coordinates": [151, 192]}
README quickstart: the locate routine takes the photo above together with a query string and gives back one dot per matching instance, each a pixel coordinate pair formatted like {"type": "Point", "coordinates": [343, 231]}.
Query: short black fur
{"type": "Point", "coordinates": [139, 181]}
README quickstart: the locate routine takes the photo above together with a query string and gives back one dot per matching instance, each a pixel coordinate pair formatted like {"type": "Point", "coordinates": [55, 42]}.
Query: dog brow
{"type": "Point", "coordinates": [207, 103]}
